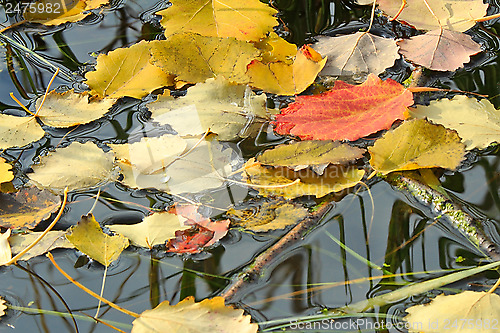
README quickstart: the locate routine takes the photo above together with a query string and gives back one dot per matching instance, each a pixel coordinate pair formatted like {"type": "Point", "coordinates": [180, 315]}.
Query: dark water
{"type": "Point", "coordinates": [304, 279]}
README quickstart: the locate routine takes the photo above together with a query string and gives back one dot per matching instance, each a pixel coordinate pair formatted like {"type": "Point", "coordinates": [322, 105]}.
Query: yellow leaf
{"type": "Point", "coordinates": [414, 145]}
{"type": "Point", "coordinates": [242, 19]}
{"type": "Point", "coordinates": [469, 311]}
{"type": "Point", "coordinates": [6, 174]}
{"type": "Point", "coordinates": [55, 12]}
{"type": "Point", "coordinates": [18, 131]}
{"type": "Point", "coordinates": [194, 58]}
{"type": "Point", "coordinates": [274, 48]}
{"type": "Point", "coordinates": [282, 78]}
{"type": "Point", "coordinates": [87, 236]}
{"type": "Point", "coordinates": [5, 252]}
{"type": "Point", "coordinates": [210, 315]}
{"type": "Point", "coordinates": [70, 109]}
{"type": "Point", "coordinates": [280, 180]}
{"type": "Point", "coordinates": [3, 307]}
{"type": "Point", "coordinates": [127, 72]}
{"type": "Point", "coordinates": [52, 240]}
{"type": "Point", "coordinates": [153, 230]}
{"type": "Point", "coordinates": [476, 122]}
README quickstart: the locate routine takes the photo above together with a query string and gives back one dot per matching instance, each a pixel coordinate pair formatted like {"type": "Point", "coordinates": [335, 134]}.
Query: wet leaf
{"type": "Point", "coordinates": [52, 240]}
{"type": "Point", "coordinates": [127, 72]}
{"type": "Point", "coordinates": [279, 181]}
{"type": "Point", "coordinates": [211, 316]}
{"type": "Point", "coordinates": [274, 49]}
{"type": "Point", "coordinates": [224, 108]}
{"type": "Point", "coordinates": [69, 108]}
{"type": "Point", "coordinates": [416, 144]}
{"type": "Point", "coordinates": [270, 215]}
{"type": "Point", "coordinates": [469, 311]}
{"type": "Point", "coordinates": [3, 307]}
{"type": "Point", "coordinates": [5, 251]}
{"type": "Point", "coordinates": [476, 122]}
{"type": "Point", "coordinates": [55, 12]}
{"type": "Point", "coordinates": [18, 131]}
{"type": "Point", "coordinates": [77, 166]}
{"type": "Point", "coordinates": [6, 174]}
{"type": "Point", "coordinates": [455, 15]}
{"type": "Point", "coordinates": [283, 78]}
{"type": "Point", "coordinates": [194, 58]}
{"type": "Point", "coordinates": [347, 112]}
{"type": "Point", "coordinates": [27, 207]}
{"type": "Point", "coordinates": [439, 50]}
{"type": "Point", "coordinates": [242, 19]}
{"type": "Point", "coordinates": [88, 237]}
{"type": "Point", "coordinates": [358, 53]}
{"type": "Point", "coordinates": [155, 229]}
{"type": "Point", "coordinates": [192, 240]}
{"type": "Point", "coordinates": [303, 154]}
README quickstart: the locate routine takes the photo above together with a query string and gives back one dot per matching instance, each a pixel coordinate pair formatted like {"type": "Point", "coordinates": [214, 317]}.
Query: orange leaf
{"type": "Point", "coordinates": [347, 112]}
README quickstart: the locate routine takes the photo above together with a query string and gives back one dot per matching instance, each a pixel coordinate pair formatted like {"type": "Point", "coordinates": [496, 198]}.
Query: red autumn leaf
{"type": "Point", "coordinates": [347, 112]}
{"type": "Point", "coordinates": [218, 227]}
{"type": "Point", "coordinates": [191, 240]}
{"type": "Point", "coordinates": [190, 212]}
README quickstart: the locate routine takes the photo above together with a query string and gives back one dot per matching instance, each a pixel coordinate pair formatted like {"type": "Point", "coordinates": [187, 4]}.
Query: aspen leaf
{"type": "Point", "coordinates": [127, 72]}
{"type": "Point", "coordinates": [88, 237]}
{"type": "Point", "coordinates": [455, 15]}
{"type": "Point", "coordinates": [271, 215]}
{"type": "Point", "coordinates": [359, 53]}
{"type": "Point", "coordinates": [283, 78]}
{"type": "Point", "coordinates": [416, 144]}
{"type": "Point", "coordinates": [476, 122]}
{"type": "Point", "coordinates": [310, 153]}
{"type": "Point", "coordinates": [55, 12]}
{"type": "Point", "coordinates": [5, 251]}
{"type": "Point", "coordinates": [440, 50]}
{"type": "Point", "coordinates": [18, 131]}
{"type": "Point", "coordinates": [211, 316]}
{"type": "Point", "coordinates": [52, 240]}
{"type": "Point", "coordinates": [153, 230]}
{"type": "Point", "coordinates": [70, 109]}
{"type": "Point", "coordinates": [347, 112]}
{"type": "Point", "coordinates": [280, 180]}
{"type": "Point", "coordinates": [6, 174]}
{"type": "Point", "coordinates": [27, 207]}
{"type": "Point", "coordinates": [226, 109]}
{"type": "Point", "coordinates": [246, 20]}
{"type": "Point", "coordinates": [194, 58]}
{"type": "Point", "coordinates": [78, 166]}
{"type": "Point", "coordinates": [473, 311]}
{"type": "Point", "coordinates": [274, 49]}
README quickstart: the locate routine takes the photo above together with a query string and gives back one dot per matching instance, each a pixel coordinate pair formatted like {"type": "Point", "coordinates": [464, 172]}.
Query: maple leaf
{"type": "Point", "coordinates": [347, 112]}
{"type": "Point", "coordinates": [242, 19]}
{"type": "Point", "coordinates": [358, 53]}
{"type": "Point", "coordinates": [456, 15]}
{"type": "Point", "coordinates": [416, 144]}
{"type": "Point", "coordinates": [440, 49]}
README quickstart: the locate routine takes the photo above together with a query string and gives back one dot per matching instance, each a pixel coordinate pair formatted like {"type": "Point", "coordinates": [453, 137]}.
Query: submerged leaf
{"type": "Point", "coordinates": [192, 240]}
{"type": "Point", "coordinates": [476, 122]}
{"type": "Point", "coordinates": [18, 131]}
{"type": "Point", "coordinates": [243, 19]}
{"type": "Point", "coordinates": [88, 237]}
{"type": "Point", "coordinates": [211, 316]}
{"type": "Point", "coordinates": [416, 144]}
{"type": "Point", "coordinates": [55, 12]}
{"type": "Point", "coordinates": [52, 240]}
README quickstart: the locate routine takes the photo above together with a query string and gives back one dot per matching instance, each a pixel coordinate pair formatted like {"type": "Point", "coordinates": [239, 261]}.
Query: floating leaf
{"type": "Point", "coordinates": [469, 311]}
{"type": "Point", "coordinates": [274, 49]}
{"type": "Point", "coordinates": [55, 12]}
{"type": "Point", "coordinates": [358, 53]}
{"type": "Point", "coordinates": [6, 174]}
{"type": "Point", "coordinates": [69, 108]}
{"type": "Point", "coordinates": [242, 19]}
{"type": "Point", "coordinates": [153, 230]}
{"type": "Point", "coordinates": [18, 131]}
{"type": "Point", "coordinates": [5, 251]}
{"type": "Point", "coordinates": [283, 78]}
{"type": "Point", "coordinates": [224, 108]}
{"type": "Point", "coordinates": [27, 207]}
{"type": "Point", "coordinates": [3, 307]}
{"type": "Point", "coordinates": [347, 112]}
{"type": "Point", "coordinates": [280, 180]}
{"type": "Point", "coordinates": [439, 50]}
{"type": "Point", "coordinates": [77, 166]}
{"type": "Point", "coordinates": [271, 215]}
{"type": "Point", "coordinates": [127, 72]}
{"type": "Point", "coordinates": [194, 58]}
{"type": "Point", "coordinates": [52, 240]}
{"type": "Point", "coordinates": [211, 316]}
{"type": "Point", "coordinates": [477, 122]}
{"type": "Point", "coordinates": [416, 144]}
{"type": "Point", "coordinates": [456, 15]}
{"type": "Point", "coordinates": [87, 236]}
{"type": "Point", "coordinates": [192, 240]}
{"type": "Point", "coordinates": [302, 154]}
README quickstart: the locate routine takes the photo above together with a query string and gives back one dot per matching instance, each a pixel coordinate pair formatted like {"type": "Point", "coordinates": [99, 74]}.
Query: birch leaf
{"type": "Point", "coordinates": [18, 131]}
{"type": "Point", "coordinates": [52, 240]}
{"type": "Point", "coordinates": [3, 307]}
{"type": "Point", "coordinates": [6, 174]}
